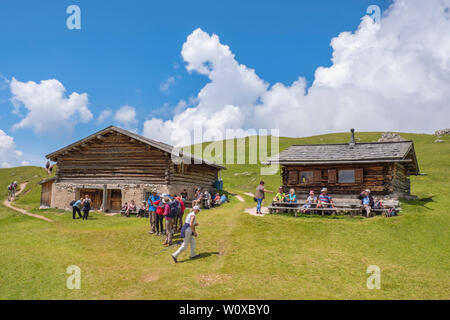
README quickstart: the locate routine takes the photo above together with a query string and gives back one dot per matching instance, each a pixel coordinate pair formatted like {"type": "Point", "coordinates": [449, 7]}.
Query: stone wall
{"type": "Point", "coordinates": [63, 193]}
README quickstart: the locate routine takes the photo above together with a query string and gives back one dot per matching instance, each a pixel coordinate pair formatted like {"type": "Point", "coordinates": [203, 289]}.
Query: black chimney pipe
{"type": "Point", "coordinates": [352, 141]}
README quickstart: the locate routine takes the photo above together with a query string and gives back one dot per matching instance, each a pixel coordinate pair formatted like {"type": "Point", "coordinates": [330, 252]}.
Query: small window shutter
{"type": "Point", "coordinates": [359, 175]}
{"type": "Point", "coordinates": [332, 176]}
{"type": "Point", "coordinates": [293, 177]}
{"type": "Point", "coordinates": [317, 176]}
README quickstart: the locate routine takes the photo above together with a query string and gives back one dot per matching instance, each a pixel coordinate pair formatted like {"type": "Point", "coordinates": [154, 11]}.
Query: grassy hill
{"type": "Point", "coordinates": [243, 257]}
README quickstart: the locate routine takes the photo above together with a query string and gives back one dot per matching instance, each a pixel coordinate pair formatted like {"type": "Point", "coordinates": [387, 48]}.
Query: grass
{"type": "Point", "coordinates": [242, 256]}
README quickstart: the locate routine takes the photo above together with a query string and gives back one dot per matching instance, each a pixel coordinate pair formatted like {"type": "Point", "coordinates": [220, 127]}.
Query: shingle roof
{"type": "Point", "coordinates": [157, 144]}
{"type": "Point", "coordinates": [345, 153]}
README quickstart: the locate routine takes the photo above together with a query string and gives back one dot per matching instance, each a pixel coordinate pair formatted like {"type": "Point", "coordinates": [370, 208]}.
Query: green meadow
{"type": "Point", "coordinates": [241, 256]}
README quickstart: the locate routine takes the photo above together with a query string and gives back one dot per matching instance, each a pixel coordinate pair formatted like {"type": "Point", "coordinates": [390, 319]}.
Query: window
{"type": "Point", "coordinates": [346, 176]}
{"type": "Point", "coordinates": [306, 177]}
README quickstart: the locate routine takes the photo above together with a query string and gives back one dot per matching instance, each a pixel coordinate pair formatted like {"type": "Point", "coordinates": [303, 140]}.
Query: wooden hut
{"type": "Point", "coordinates": [114, 166]}
{"type": "Point", "coordinates": [349, 168]}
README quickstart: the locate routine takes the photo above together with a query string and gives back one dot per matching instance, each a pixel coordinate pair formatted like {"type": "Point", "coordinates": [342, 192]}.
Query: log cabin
{"type": "Point", "coordinates": [114, 166]}
{"type": "Point", "coordinates": [347, 169]}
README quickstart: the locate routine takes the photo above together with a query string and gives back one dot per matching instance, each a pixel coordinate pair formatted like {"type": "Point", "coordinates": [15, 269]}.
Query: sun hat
{"type": "Point", "coordinates": [311, 191]}
{"type": "Point", "coordinates": [367, 190]}
{"type": "Point", "coordinates": [196, 208]}
{"type": "Point", "coordinates": [324, 189]}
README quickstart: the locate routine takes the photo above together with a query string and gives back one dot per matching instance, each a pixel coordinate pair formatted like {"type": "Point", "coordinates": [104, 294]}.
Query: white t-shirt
{"type": "Point", "coordinates": [188, 217]}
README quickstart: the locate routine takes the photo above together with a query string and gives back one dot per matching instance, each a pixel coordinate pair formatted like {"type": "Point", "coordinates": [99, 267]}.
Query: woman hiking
{"type": "Point", "coordinates": [188, 233]}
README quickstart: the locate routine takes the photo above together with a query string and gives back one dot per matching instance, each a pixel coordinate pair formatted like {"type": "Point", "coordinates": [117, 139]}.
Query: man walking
{"type": "Point", "coordinates": [260, 195]}
{"type": "Point", "coordinates": [189, 234]}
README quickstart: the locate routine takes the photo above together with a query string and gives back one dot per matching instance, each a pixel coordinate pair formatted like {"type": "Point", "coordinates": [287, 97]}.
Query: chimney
{"type": "Point", "coordinates": [352, 140]}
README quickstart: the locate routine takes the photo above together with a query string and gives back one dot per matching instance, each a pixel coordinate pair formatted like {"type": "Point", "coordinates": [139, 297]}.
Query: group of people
{"type": "Point", "coordinates": [12, 187]}
{"type": "Point", "coordinates": [166, 218]}
{"type": "Point", "coordinates": [82, 204]}
{"type": "Point", "coordinates": [206, 200]}
{"type": "Point", "coordinates": [324, 200]}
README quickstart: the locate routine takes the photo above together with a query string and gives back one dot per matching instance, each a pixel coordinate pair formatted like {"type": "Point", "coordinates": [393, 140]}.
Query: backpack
{"type": "Point", "coordinates": [72, 203]}
{"type": "Point", "coordinates": [175, 209]}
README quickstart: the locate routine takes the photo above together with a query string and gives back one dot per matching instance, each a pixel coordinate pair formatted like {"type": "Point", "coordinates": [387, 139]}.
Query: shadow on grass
{"type": "Point", "coordinates": [421, 202]}
{"type": "Point", "coordinates": [201, 256]}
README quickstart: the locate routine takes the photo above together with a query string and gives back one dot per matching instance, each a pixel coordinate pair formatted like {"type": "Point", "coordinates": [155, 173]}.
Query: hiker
{"type": "Point", "coordinates": [223, 199]}
{"type": "Point", "coordinates": [47, 167]}
{"type": "Point", "coordinates": [216, 201]}
{"type": "Point", "coordinates": [259, 196]}
{"type": "Point", "coordinates": [131, 208]}
{"type": "Point", "coordinates": [291, 199]}
{"type": "Point", "coordinates": [188, 233]}
{"type": "Point", "coordinates": [184, 195]}
{"type": "Point", "coordinates": [152, 210]}
{"type": "Point", "coordinates": [170, 213]}
{"type": "Point", "coordinates": [86, 204]}
{"type": "Point", "coordinates": [142, 210]}
{"type": "Point", "coordinates": [280, 196]}
{"type": "Point", "coordinates": [76, 208]}
{"type": "Point", "coordinates": [325, 200]}
{"type": "Point", "coordinates": [367, 201]}
{"type": "Point", "coordinates": [124, 208]}
{"type": "Point", "coordinates": [159, 216]}
{"type": "Point", "coordinates": [309, 202]}
{"type": "Point", "coordinates": [179, 217]}
{"type": "Point", "coordinates": [207, 200]}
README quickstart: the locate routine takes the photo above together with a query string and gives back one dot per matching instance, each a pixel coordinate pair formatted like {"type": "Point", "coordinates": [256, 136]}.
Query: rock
{"type": "Point", "coordinates": [438, 141]}
{"type": "Point", "coordinates": [442, 132]}
{"type": "Point", "coordinates": [390, 137]}
{"type": "Point", "coordinates": [245, 173]}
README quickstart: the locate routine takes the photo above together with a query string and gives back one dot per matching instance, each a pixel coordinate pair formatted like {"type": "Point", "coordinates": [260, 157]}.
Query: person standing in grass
{"type": "Point", "coordinates": [159, 216]}
{"type": "Point", "coordinates": [170, 215]}
{"type": "Point", "coordinates": [260, 195]}
{"type": "Point", "coordinates": [188, 233]}
{"type": "Point", "coordinates": [152, 210]}
{"type": "Point", "coordinates": [179, 218]}
{"type": "Point", "coordinates": [86, 207]}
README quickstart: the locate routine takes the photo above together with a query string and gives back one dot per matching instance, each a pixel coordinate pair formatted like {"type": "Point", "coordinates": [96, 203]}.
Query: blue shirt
{"type": "Point", "coordinates": [365, 200]}
{"type": "Point", "coordinates": [153, 199]}
{"type": "Point", "coordinates": [77, 204]}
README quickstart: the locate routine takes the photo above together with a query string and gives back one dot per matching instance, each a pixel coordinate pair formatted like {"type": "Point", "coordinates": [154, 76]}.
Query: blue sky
{"type": "Point", "coordinates": [126, 50]}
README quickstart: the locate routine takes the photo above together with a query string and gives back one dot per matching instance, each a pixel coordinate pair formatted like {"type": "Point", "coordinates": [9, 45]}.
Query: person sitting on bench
{"type": "Point", "coordinates": [367, 201]}
{"type": "Point", "coordinates": [131, 208]}
{"type": "Point", "coordinates": [280, 196]}
{"type": "Point", "coordinates": [309, 202]}
{"type": "Point", "coordinates": [325, 200]}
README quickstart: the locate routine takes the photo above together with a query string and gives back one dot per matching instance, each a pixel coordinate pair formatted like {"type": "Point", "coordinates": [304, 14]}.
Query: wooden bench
{"type": "Point", "coordinates": [341, 208]}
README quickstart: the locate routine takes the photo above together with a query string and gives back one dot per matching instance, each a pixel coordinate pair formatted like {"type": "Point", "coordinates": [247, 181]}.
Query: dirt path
{"type": "Point", "coordinates": [252, 211]}
{"type": "Point", "coordinates": [23, 211]}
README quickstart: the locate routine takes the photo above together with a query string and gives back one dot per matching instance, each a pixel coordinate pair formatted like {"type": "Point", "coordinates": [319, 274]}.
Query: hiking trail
{"type": "Point", "coordinates": [23, 211]}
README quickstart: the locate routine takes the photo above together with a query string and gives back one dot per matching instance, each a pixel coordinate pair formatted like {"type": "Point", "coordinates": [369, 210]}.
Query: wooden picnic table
{"type": "Point", "coordinates": [338, 208]}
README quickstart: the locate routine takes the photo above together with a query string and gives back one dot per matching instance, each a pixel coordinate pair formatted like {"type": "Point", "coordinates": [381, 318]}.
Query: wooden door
{"type": "Point", "coordinates": [115, 202]}
{"type": "Point", "coordinates": [95, 195]}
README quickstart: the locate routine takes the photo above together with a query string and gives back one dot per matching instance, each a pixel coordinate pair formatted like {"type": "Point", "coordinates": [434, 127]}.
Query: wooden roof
{"type": "Point", "coordinates": [371, 152]}
{"type": "Point", "coordinates": [153, 143]}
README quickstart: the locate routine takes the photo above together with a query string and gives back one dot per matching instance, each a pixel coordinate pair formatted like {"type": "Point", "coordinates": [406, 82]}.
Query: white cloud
{"type": "Point", "coordinates": [165, 86]}
{"type": "Point", "coordinates": [393, 75]}
{"type": "Point", "coordinates": [104, 115]}
{"type": "Point", "coordinates": [9, 156]}
{"type": "Point", "coordinates": [48, 107]}
{"type": "Point", "coordinates": [126, 116]}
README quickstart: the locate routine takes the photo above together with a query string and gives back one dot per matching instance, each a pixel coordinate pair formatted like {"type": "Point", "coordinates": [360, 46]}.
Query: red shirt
{"type": "Point", "coordinates": [159, 210]}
